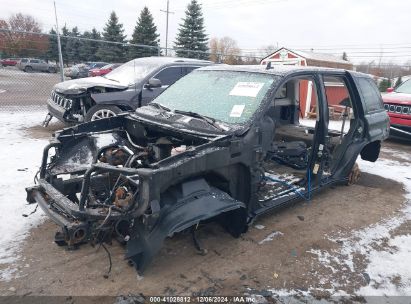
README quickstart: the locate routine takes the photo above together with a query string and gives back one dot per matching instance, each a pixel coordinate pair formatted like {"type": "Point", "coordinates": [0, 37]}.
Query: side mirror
{"type": "Point", "coordinates": [153, 83]}
{"type": "Point", "coordinates": [389, 90]}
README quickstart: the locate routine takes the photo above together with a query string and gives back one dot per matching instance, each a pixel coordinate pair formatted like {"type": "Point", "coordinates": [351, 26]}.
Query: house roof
{"type": "Point", "coordinates": [312, 56]}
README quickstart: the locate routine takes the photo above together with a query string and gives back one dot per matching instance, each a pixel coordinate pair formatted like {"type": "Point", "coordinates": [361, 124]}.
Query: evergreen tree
{"type": "Point", "coordinates": [344, 56]}
{"type": "Point", "coordinates": [52, 51]}
{"type": "Point", "coordinates": [398, 82]}
{"type": "Point", "coordinates": [64, 40]}
{"type": "Point", "coordinates": [73, 46]}
{"type": "Point", "coordinates": [384, 85]}
{"type": "Point", "coordinates": [145, 32]}
{"type": "Point", "coordinates": [191, 34]}
{"type": "Point", "coordinates": [88, 49]}
{"type": "Point", "coordinates": [114, 32]}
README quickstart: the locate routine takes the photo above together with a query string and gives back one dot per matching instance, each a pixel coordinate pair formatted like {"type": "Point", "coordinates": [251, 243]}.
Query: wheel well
{"type": "Point", "coordinates": [371, 151]}
{"type": "Point", "coordinates": [122, 107]}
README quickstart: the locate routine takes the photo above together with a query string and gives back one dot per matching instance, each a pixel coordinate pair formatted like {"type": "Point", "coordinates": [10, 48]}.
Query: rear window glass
{"type": "Point", "coordinates": [24, 60]}
{"type": "Point", "coordinates": [372, 96]}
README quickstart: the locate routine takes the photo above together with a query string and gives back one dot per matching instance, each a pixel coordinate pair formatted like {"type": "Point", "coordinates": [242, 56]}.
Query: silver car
{"type": "Point", "coordinates": [31, 65]}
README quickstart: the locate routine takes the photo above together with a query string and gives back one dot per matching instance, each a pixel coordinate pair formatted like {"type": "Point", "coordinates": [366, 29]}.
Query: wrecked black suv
{"type": "Point", "coordinates": [224, 143]}
{"type": "Point", "coordinates": [130, 86]}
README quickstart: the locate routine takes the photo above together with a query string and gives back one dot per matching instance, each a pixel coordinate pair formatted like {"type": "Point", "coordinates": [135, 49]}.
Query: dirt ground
{"type": "Point", "coordinates": [232, 266]}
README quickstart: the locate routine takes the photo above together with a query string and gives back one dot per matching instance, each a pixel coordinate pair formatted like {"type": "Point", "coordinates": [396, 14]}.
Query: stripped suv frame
{"type": "Point", "coordinates": [224, 143]}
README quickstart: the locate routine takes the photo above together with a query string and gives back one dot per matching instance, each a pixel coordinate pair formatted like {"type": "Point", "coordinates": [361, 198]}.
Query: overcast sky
{"type": "Point", "coordinates": [365, 29]}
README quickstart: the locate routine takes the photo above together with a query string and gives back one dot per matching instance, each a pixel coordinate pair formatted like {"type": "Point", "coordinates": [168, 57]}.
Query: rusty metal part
{"type": "Point", "coordinates": [122, 197]}
{"type": "Point", "coordinates": [354, 175]}
{"type": "Point", "coordinates": [114, 156]}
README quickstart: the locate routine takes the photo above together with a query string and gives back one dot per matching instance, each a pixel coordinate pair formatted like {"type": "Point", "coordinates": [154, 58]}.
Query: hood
{"type": "Point", "coordinates": [77, 86]}
{"type": "Point", "coordinates": [397, 98]}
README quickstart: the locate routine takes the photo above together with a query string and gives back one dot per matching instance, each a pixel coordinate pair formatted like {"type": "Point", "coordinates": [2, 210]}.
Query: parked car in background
{"type": "Point", "coordinates": [76, 71]}
{"type": "Point", "coordinates": [104, 70]}
{"type": "Point", "coordinates": [224, 143]}
{"type": "Point", "coordinates": [397, 102]}
{"type": "Point", "coordinates": [31, 65]}
{"type": "Point", "coordinates": [9, 61]}
{"type": "Point", "coordinates": [81, 70]}
{"type": "Point", "coordinates": [126, 88]}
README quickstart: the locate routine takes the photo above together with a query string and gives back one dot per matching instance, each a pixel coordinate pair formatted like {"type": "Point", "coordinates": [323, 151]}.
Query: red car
{"type": "Point", "coordinates": [104, 70]}
{"type": "Point", "coordinates": [397, 102]}
{"type": "Point", "coordinates": [9, 61]}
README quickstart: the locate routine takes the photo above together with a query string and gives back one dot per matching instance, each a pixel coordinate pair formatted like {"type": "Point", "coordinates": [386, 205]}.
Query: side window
{"type": "Point", "coordinates": [169, 75]}
{"type": "Point", "coordinates": [371, 95]}
{"type": "Point", "coordinates": [339, 103]}
{"type": "Point", "coordinates": [24, 60]}
{"type": "Point", "coordinates": [34, 61]}
{"type": "Point", "coordinates": [188, 70]}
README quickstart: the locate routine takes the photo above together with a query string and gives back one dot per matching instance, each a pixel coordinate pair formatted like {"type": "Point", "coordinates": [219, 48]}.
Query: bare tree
{"type": "Point", "coordinates": [224, 50]}
{"type": "Point", "coordinates": [22, 39]}
{"type": "Point", "coordinates": [267, 50]}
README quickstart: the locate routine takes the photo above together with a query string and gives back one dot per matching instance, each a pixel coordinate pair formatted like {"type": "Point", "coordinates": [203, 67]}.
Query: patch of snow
{"type": "Point", "coordinates": [20, 161]}
{"type": "Point", "coordinates": [259, 227]}
{"type": "Point", "coordinates": [388, 265]}
{"type": "Point", "coordinates": [270, 237]}
{"type": "Point", "coordinates": [398, 154]}
{"type": "Point", "coordinates": [390, 272]}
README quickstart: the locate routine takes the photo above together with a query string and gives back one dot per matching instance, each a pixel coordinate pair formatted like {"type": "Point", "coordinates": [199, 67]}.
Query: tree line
{"type": "Point", "coordinates": [113, 45]}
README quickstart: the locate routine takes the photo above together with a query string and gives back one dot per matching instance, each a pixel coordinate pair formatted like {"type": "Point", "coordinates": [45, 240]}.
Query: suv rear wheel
{"type": "Point", "coordinates": [28, 69]}
{"type": "Point", "coordinates": [101, 111]}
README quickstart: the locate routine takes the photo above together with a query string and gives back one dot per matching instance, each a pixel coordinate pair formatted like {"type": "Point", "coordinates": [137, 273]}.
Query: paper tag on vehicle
{"type": "Point", "coordinates": [248, 89]}
{"type": "Point", "coordinates": [237, 110]}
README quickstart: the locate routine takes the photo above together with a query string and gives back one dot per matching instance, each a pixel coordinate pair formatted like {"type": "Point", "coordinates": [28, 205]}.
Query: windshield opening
{"type": "Point", "coordinates": [405, 87]}
{"type": "Point", "coordinates": [228, 96]}
{"type": "Point", "coordinates": [132, 71]}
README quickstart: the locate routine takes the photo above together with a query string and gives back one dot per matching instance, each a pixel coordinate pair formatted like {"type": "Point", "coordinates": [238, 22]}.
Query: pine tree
{"type": "Point", "coordinates": [344, 56]}
{"type": "Point", "coordinates": [88, 49]}
{"type": "Point", "coordinates": [73, 46]}
{"type": "Point", "coordinates": [63, 40]}
{"type": "Point", "coordinates": [191, 34]}
{"type": "Point", "coordinates": [398, 82]}
{"type": "Point", "coordinates": [384, 85]}
{"type": "Point", "coordinates": [145, 32]}
{"type": "Point", "coordinates": [113, 31]}
{"type": "Point", "coordinates": [52, 51]}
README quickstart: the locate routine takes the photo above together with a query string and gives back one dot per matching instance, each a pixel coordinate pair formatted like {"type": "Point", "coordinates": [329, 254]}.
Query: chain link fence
{"type": "Point", "coordinates": [30, 63]}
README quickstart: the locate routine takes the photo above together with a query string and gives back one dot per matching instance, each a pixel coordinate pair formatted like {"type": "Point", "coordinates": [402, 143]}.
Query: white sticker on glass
{"type": "Point", "coordinates": [237, 110]}
{"type": "Point", "coordinates": [248, 89]}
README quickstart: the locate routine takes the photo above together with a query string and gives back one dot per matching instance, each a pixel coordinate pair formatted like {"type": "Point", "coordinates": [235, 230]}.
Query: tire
{"type": "Point", "coordinates": [28, 69]}
{"type": "Point", "coordinates": [52, 70]}
{"type": "Point", "coordinates": [98, 112]}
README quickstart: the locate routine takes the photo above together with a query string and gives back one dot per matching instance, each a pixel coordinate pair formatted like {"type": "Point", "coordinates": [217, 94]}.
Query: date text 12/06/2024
{"type": "Point", "coordinates": [203, 299]}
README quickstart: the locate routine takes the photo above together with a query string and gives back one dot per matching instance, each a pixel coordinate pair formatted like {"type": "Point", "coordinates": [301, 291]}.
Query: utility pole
{"type": "Point", "coordinates": [59, 44]}
{"type": "Point", "coordinates": [167, 13]}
